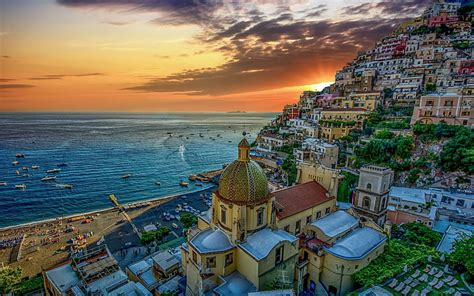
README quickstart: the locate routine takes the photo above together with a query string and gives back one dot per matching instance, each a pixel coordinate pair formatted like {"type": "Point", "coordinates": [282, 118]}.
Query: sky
{"type": "Point", "coordinates": [181, 55]}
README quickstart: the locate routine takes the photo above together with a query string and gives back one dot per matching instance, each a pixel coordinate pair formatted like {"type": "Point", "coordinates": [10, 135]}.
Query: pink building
{"type": "Point", "coordinates": [450, 108]}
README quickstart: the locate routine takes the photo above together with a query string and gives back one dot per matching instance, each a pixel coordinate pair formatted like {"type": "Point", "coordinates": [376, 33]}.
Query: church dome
{"type": "Point", "coordinates": [243, 181]}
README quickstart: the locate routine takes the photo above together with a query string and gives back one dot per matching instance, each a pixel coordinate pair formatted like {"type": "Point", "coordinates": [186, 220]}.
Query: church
{"type": "Point", "coordinates": [255, 240]}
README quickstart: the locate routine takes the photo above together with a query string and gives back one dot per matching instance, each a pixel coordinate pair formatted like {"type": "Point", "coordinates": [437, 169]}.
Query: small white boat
{"type": "Point", "coordinates": [20, 155]}
{"type": "Point", "coordinates": [126, 176]}
{"type": "Point", "coordinates": [35, 167]}
{"type": "Point", "coordinates": [183, 184]}
{"type": "Point", "coordinates": [158, 183]}
{"type": "Point", "coordinates": [25, 168]}
{"type": "Point", "coordinates": [15, 162]}
{"type": "Point", "coordinates": [20, 186]}
{"type": "Point", "coordinates": [17, 172]}
{"type": "Point", "coordinates": [53, 171]}
{"type": "Point", "coordinates": [3, 183]}
{"type": "Point", "coordinates": [65, 186]}
{"type": "Point", "coordinates": [48, 178]}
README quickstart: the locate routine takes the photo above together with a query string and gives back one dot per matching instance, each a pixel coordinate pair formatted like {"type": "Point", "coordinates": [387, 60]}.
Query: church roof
{"type": "Point", "coordinates": [211, 241]}
{"type": "Point", "coordinates": [357, 244]}
{"type": "Point", "coordinates": [298, 198]}
{"type": "Point", "coordinates": [336, 223]}
{"type": "Point", "coordinates": [243, 182]}
{"type": "Point", "coordinates": [259, 244]}
{"type": "Point", "coordinates": [235, 284]}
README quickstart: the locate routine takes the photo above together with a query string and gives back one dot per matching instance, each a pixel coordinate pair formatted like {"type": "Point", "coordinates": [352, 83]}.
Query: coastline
{"type": "Point", "coordinates": [160, 200]}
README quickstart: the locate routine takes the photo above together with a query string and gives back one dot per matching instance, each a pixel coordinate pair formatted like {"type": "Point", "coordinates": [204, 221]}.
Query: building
{"type": "Point", "coordinates": [333, 249]}
{"type": "Point", "coordinates": [95, 272]}
{"type": "Point", "coordinates": [268, 142]}
{"type": "Point", "coordinates": [317, 151]}
{"type": "Point", "coordinates": [327, 177]}
{"type": "Point", "coordinates": [299, 205]}
{"type": "Point", "coordinates": [449, 108]}
{"type": "Point", "coordinates": [236, 250]}
{"type": "Point", "coordinates": [372, 193]}
{"type": "Point", "coordinates": [407, 205]}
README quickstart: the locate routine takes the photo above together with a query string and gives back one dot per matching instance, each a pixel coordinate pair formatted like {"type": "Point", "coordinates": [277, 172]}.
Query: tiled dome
{"type": "Point", "coordinates": [243, 181]}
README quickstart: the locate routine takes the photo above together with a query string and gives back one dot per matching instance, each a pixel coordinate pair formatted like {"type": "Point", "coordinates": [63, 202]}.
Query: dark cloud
{"type": "Point", "coordinates": [6, 56]}
{"type": "Point", "coordinates": [15, 86]}
{"type": "Point", "coordinates": [265, 50]}
{"type": "Point", "coordinates": [61, 76]}
{"type": "Point", "coordinates": [6, 79]}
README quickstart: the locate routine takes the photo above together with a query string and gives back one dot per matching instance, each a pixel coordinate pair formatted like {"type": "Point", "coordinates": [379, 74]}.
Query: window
{"type": "Point", "coordinates": [194, 257]}
{"type": "Point", "coordinates": [279, 255]}
{"type": "Point", "coordinates": [460, 203]}
{"type": "Point", "coordinates": [298, 227]}
{"type": "Point", "coordinates": [328, 210]}
{"type": "Point", "coordinates": [356, 267]}
{"type": "Point", "coordinates": [229, 259]}
{"type": "Point", "coordinates": [259, 216]}
{"type": "Point", "coordinates": [366, 203]}
{"type": "Point", "coordinates": [223, 215]}
{"type": "Point", "coordinates": [308, 219]}
{"type": "Point", "coordinates": [318, 215]}
{"type": "Point", "coordinates": [369, 186]}
{"type": "Point", "coordinates": [287, 228]}
{"type": "Point", "coordinates": [211, 262]}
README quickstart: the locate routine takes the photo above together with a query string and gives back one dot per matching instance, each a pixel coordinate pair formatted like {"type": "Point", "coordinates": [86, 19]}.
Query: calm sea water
{"type": "Point", "coordinates": [99, 149]}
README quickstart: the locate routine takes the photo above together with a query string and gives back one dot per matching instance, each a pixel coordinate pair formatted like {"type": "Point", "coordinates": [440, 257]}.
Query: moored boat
{"type": "Point", "coordinates": [3, 183]}
{"type": "Point", "coordinates": [35, 167]}
{"type": "Point", "coordinates": [53, 171]}
{"type": "Point", "coordinates": [183, 184]}
{"type": "Point", "coordinates": [20, 155]}
{"type": "Point", "coordinates": [20, 186]}
{"type": "Point", "coordinates": [15, 162]}
{"type": "Point", "coordinates": [158, 183]}
{"type": "Point", "coordinates": [65, 186]}
{"type": "Point", "coordinates": [48, 178]}
{"type": "Point", "coordinates": [126, 176]}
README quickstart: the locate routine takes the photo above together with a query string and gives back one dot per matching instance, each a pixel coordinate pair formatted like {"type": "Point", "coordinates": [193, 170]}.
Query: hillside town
{"type": "Point", "coordinates": [363, 188]}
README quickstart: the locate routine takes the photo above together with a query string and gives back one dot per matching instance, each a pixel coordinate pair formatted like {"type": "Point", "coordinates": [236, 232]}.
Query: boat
{"type": "Point", "coordinates": [20, 186]}
{"type": "Point", "coordinates": [3, 183]}
{"type": "Point", "coordinates": [192, 178]}
{"type": "Point", "coordinates": [15, 162]}
{"type": "Point", "coordinates": [183, 184]}
{"type": "Point", "coordinates": [158, 183]}
{"type": "Point", "coordinates": [48, 178]}
{"type": "Point", "coordinates": [20, 155]}
{"type": "Point", "coordinates": [65, 186]}
{"type": "Point", "coordinates": [25, 168]}
{"type": "Point", "coordinates": [53, 171]}
{"type": "Point", "coordinates": [126, 176]}
{"type": "Point", "coordinates": [35, 167]}
{"type": "Point", "coordinates": [61, 165]}
{"type": "Point", "coordinates": [17, 172]}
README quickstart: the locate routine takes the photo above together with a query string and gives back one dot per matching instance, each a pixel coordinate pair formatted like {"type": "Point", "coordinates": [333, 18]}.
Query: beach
{"type": "Point", "coordinates": [47, 243]}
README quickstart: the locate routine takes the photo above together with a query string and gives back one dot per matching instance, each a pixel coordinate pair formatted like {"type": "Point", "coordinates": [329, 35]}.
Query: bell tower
{"type": "Point", "coordinates": [371, 197]}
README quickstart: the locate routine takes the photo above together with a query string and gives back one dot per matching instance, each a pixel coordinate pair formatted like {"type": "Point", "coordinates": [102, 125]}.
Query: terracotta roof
{"type": "Point", "coordinates": [298, 198]}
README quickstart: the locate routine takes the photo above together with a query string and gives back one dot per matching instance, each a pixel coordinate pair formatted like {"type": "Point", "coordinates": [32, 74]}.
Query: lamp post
{"type": "Point", "coordinates": [341, 266]}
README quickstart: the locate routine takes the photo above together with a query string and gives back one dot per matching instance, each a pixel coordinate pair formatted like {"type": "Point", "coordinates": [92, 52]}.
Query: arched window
{"type": "Point", "coordinates": [223, 215]}
{"type": "Point", "coordinates": [366, 202]}
{"type": "Point", "coordinates": [369, 186]}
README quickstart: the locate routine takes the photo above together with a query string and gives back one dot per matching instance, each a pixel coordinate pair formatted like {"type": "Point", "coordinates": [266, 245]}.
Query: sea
{"type": "Point", "coordinates": [95, 150]}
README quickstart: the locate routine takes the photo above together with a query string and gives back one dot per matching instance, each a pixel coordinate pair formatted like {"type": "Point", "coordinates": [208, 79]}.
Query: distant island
{"type": "Point", "coordinates": [238, 111]}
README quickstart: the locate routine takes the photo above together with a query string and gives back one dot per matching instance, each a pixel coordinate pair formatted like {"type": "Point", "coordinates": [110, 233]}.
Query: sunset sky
{"type": "Point", "coordinates": [181, 55]}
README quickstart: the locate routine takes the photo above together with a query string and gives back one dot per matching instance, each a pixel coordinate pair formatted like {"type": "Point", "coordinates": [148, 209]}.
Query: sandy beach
{"type": "Point", "coordinates": [46, 243]}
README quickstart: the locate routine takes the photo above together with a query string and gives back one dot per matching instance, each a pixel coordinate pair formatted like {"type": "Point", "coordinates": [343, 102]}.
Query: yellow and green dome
{"type": "Point", "coordinates": [243, 181]}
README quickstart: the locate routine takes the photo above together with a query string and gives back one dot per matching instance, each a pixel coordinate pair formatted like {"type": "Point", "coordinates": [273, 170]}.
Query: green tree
{"type": "Point", "coordinates": [8, 278]}
{"type": "Point", "coordinates": [154, 235]}
{"type": "Point", "coordinates": [384, 134]}
{"type": "Point", "coordinates": [457, 153]}
{"type": "Point", "coordinates": [289, 167]}
{"type": "Point", "coordinates": [188, 220]}
{"type": "Point", "coordinates": [462, 255]}
{"type": "Point", "coordinates": [420, 234]}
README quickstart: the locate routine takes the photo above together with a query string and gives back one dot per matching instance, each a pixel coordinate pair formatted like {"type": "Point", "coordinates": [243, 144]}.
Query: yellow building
{"type": "Point", "coordinates": [236, 250]}
{"type": "Point", "coordinates": [338, 122]}
{"type": "Point", "coordinates": [252, 240]}
{"type": "Point", "coordinates": [367, 101]}
{"type": "Point", "coordinates": [334, 248]}
{"type": "Point", "coordinates": [327, 177]}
